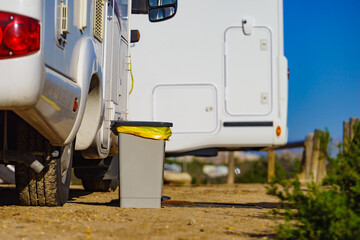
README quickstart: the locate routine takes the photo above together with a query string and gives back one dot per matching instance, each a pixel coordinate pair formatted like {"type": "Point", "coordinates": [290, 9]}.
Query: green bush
{"type": "Point", "coordinates": [256, 171]}
{"type": "Point", "coordinates": [323, 212]}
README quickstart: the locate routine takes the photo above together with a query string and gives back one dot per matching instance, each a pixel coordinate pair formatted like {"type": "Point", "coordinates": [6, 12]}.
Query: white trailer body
{"type": "Point", "coordinates": [217, 71]}
{"type": "Point", "coordinates": [81, 46]}
{"type": "Point", "coordinates": [65, 67]}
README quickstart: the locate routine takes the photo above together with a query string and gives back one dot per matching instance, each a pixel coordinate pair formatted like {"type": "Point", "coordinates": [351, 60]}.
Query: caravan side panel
{"type": "Point", "coordinates": [234, 46]}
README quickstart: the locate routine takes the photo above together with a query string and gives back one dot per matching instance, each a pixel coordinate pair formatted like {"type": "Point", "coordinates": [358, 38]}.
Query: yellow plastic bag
{"type": "Point", "coordinates": [158, 133]}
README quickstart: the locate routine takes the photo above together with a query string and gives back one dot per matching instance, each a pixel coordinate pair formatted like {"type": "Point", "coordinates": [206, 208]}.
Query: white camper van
{"type": "Point", "coordinates": [217, 71]}
{"type": "Point", "coordinates": [64, 66]}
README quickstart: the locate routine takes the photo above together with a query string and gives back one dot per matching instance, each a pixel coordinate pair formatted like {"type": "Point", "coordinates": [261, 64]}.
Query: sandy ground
{"type": "Point", "coordinates": [97, 215]}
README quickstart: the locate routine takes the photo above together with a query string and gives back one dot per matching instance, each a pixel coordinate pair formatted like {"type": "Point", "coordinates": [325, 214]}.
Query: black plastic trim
{"type": "Point", "coordinates": [248, 124]}
{"type": "Point", "coordinates": [206, 152]}
{"type": "Point", "coordinates": [142, 124]}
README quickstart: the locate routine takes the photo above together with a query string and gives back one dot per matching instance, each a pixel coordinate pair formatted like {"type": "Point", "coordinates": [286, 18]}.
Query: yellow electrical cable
{"type": "Point", "coordinates": [132, 78]}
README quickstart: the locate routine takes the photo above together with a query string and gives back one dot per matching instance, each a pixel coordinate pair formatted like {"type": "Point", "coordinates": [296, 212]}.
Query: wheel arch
{"type": "Point", "coordinates": [92, 116]}
{"type": "Point", "coordinates": [89, 78]}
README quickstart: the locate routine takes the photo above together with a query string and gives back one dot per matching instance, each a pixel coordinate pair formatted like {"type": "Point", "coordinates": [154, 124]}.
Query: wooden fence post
{"type": "Point", "coordinates": [314, 158]}
{"type": "Point", "coordinates": [271, 164]}
{"type": "Point", "coordinates": [353, 122]}
{"type": "Point", "coordinates": [309, 142]}
{"type": "Point", "coordinates": [348, 132]}
{"type": "Point", "coordinates": [231, 167]}
{"type": "Point", "coordinates": [315, 154]}
{"type": "Point", "coordinates": [346, 135]}
{"type": "Point", "coordinates": [321, 170]}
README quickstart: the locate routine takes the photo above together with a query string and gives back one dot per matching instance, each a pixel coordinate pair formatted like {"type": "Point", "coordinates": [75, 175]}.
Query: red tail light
{"type": "Point", "coordinates": [19, 35]}
{"type": "Point", "coordinates": [1, 35]}
{"type": "Point", "coordinates": [288, 73]}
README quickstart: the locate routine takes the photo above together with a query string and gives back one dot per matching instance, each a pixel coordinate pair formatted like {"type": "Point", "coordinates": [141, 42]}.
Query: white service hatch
{"type": "Point", "coordinates": [248, 71]}
{"type": "Point", "coordinates": [192, 108]}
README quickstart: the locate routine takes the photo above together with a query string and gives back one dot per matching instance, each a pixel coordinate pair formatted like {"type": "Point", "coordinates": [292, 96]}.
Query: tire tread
{"type": "Point", "coordinates": [38, 189]}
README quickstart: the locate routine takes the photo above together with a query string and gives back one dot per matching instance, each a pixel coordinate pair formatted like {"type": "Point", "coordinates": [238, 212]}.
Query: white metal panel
{"type": "Point", "coordinates": [225, 137]}
{"type": "Point", "coordinates": [109, 32]}
{"type": "Point", "coordinates": [191, 108]}
{"type": "Point", "coordinates": [189, 49]}
{"type": "Point", "coordinates": [119, 49]}
{"type": "Point", "coordinates": [24, 93]}
{"type": "Point", "coordinates": [30, 8]}
{"type": "Point", "coordinates": [123, 80]}
{"type": "Point", "coordinates": [80, 14]}
{"type": "Point", "coordinates": [248, 71]}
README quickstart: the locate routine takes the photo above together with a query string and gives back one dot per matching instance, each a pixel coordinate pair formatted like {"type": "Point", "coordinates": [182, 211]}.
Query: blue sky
{"type": "Point", "coordinates": [322, 45]}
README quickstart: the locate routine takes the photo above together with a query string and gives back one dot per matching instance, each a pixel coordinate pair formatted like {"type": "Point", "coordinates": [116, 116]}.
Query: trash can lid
{"type": "Point", "coordinates": [141, 124]}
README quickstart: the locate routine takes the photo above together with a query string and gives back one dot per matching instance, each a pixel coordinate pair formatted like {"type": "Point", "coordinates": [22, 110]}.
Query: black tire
{"type": "Point", "coordinates": [96, 185]}
{"type": "Point", "coordinates": [51, 186]}
{"type": "Point", "coordinates": [92, 177]}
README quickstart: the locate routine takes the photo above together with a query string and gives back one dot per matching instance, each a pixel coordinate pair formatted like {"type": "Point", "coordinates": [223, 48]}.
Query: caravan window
{"type": "Point", "coordinates": [156, 3]}
{"type": "Point", "coordinates": [122, 8]}
{"type": "Point", "coordinates": [139, 7]}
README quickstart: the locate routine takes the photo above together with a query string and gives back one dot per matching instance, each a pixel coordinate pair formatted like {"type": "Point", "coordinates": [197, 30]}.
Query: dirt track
{"type": "Point", "coordinates": [97, 216]}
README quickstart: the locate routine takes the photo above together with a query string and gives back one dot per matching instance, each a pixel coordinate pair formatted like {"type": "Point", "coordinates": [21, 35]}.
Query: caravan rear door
{"type": "Point", "coordinates": [248, 71]}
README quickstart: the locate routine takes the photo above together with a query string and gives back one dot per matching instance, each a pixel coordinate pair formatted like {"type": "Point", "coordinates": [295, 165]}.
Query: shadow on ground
{"type": "Point", "coordinates": [267, 204]}
{"type": "Point", "coordinates": [76, 193]}
{"type": "Point", "coordinates": [258, 205]}
{"type": "Point", "coordinates": [8, 195]}
{"type": "Point", "coordinates": [262, 236]}
{"type": "Point", "coordinates": [112, 203]}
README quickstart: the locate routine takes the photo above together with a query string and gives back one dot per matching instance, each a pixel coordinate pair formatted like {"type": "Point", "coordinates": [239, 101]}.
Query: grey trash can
{"type": "Point", "coordinates": [141, 163]}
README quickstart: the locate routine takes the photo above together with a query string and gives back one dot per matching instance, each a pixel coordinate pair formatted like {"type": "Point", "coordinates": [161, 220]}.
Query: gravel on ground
{"type": "Point", "coordinates": [240, 211]}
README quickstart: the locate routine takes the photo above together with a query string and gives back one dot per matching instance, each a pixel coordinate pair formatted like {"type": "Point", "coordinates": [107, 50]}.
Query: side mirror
{"type": "Point", "coordinates": [160, 10]}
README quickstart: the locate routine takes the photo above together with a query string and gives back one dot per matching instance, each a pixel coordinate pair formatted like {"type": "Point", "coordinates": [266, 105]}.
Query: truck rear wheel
{"type": "Point", "coordinates": [96, 185]}
{"type": "Point", "coordinates": [92, 179]}
{"type": "Point", "coordinates": [51, 186]}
